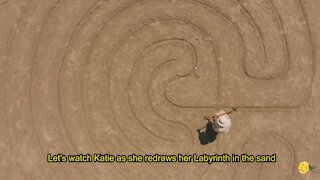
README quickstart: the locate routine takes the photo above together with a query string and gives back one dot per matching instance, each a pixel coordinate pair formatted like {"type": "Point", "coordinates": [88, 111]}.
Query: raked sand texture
{"type": "Point", "coordinates": [119, 77]}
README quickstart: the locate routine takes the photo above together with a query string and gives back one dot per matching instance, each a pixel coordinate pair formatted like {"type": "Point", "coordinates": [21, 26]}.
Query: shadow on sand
{"type": "Point", "coordinates": [208, 136]}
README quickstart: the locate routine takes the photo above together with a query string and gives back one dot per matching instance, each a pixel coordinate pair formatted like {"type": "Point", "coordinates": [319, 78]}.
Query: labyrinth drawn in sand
{"type": "Point", "coordinates": [119, 77]}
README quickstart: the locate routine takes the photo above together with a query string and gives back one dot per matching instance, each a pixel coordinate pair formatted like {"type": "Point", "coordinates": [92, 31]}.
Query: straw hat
{"type": "Point", "coordinates": [224, 121]}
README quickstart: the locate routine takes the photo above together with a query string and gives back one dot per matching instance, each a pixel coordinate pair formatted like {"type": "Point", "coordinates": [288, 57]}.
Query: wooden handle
{"type": "Point", "coordinates": [224, 113]}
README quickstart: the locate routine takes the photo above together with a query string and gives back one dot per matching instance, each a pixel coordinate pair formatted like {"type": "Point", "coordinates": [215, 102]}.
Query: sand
{"type": "Point", "coordinates": [126, 76]}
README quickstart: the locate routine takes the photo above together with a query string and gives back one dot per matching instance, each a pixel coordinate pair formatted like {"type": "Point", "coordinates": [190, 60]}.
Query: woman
{"type": "Point", "coordinates": [220, 123]}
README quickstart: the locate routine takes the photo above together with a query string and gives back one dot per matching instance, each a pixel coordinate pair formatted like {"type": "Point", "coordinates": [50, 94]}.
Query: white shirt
{"type": "Point", "coordinates": [222, 124]}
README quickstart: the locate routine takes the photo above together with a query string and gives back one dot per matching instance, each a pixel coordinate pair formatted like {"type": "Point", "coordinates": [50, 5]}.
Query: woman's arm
{"type": "Point", "coordinates": [210, 119]}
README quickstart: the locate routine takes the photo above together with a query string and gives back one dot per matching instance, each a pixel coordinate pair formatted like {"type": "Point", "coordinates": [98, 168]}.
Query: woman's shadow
{"type": "Point", "coordinates": [208, 136]}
